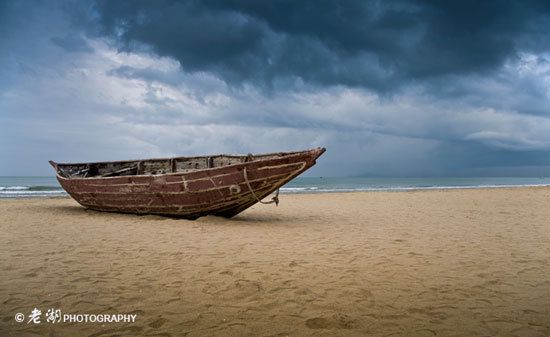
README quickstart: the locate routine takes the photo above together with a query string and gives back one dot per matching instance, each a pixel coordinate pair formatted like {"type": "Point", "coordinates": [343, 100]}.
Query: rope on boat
{"type": "Point", "coordinates": [275, 199]}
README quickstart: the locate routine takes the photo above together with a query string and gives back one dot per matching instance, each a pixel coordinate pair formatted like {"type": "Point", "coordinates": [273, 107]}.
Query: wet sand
{"type": "Point", "coordinates": [421, 263]}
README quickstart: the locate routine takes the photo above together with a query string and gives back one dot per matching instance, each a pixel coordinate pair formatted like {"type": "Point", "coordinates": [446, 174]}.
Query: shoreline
{"type": "Point", "coordinates": [343, 191]}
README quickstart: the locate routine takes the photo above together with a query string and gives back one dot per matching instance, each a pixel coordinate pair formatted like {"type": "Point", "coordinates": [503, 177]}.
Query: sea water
{"type": "Point", "coordinates": [325, 184]}
{"type": "Point", "coordinates": [14, 187]}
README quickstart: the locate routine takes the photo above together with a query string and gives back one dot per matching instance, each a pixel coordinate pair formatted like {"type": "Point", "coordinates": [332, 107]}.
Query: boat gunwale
{"type": "Point", "coordinates": [286, 155]}
{"type": "Point", "coordinates": [215, 188]}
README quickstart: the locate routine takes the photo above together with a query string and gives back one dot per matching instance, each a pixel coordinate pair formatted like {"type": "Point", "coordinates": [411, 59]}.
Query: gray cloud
{"type": "Point", "coordinates": [373, 44]}
{"type": "Point", "coordinates": [72, 43]}
{"type": "Point", "coordinates": [398, 89]}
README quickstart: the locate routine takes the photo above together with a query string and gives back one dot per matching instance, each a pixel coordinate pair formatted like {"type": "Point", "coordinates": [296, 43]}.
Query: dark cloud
{"type": "Point", "coordinates": [390, 88]}
{"type": "Point", "coordinates": [374, 44]}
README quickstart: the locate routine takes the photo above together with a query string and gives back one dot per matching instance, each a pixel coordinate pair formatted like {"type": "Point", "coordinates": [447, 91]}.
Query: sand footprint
{"type": "Point", "coordinates": [318, 323]}
{"type": "Point", "coordinates": [158, 323]}
{"type": "Point", "coordinates": [336, 321]}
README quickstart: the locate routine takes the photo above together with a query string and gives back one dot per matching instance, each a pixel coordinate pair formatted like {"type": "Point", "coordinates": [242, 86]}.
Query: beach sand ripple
{"type": "Point", "coordinates": [419, 263]}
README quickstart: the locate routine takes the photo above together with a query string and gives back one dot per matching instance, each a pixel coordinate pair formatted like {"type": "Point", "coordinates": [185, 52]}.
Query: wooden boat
{"type": "Point", "coordinates": [187, 187]}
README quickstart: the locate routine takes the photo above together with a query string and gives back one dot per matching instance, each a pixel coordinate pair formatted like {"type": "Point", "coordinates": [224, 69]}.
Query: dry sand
{"type": "Point", "coordinates": [424, 263]}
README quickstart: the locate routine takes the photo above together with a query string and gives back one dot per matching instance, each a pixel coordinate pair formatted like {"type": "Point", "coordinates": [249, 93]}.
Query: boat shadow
{"type": "Point", "coordinates": [240, 219]}
{"type": "Point", "coordinates": [243, 219]}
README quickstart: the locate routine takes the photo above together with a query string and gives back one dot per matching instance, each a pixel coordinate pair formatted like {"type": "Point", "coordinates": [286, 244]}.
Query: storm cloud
{"type": "Point", "coordinates": [379, 45]}
{"type": "Point", "coordinates": [391, 88]}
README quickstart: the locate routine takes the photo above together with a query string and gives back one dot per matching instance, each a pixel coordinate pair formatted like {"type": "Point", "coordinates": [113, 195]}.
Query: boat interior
{"type": "Point", "coordinates": [155, 166]}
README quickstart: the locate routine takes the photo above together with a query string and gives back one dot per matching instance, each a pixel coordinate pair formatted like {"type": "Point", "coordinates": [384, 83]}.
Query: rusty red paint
{"type": "Point", "coordinates": [189, 194]}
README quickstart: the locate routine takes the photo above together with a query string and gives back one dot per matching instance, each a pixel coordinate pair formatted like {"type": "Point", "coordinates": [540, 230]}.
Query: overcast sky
{"type": "Point", "coordinates": [390, 88]}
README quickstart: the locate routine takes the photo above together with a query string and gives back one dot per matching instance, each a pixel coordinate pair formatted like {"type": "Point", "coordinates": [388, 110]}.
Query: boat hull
{"type": "Point", "coordinates": [224, 191]}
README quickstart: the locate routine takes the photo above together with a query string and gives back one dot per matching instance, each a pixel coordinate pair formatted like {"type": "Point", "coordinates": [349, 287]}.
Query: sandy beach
{"type": "Point", "coordinates": [419, 263]}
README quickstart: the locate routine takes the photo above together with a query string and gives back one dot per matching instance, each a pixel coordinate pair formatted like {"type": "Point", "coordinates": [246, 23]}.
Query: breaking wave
{"type": "Point", "coordinates": [30, 191]}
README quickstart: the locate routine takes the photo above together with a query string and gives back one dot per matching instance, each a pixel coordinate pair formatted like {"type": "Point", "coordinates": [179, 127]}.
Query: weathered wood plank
{"type": "Point", "coordinates": [221, 190]}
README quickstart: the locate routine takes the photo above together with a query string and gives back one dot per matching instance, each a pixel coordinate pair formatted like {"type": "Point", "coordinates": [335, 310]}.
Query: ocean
{"type": "Point", "coordinates": [18, 187]}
